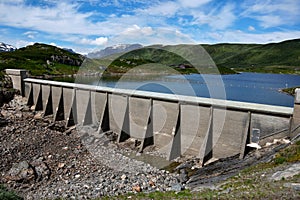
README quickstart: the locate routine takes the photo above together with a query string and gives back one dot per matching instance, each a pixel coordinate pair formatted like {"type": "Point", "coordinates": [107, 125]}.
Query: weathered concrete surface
{"type": "Point", "coordinates": [98, 103]}
{"type": "Point", "coordinates": [139, 113]}
{"type": "Point", "coordinates": [295, 123]}
{"type": "Point", "coordinates": [228, 129]}
{"type": "Point", "coordinates": [117, 112]}
{"type": "Point", "coordinates": [47, 99]}
{"type": "Point", "coordinates": [70, 113]}
{"type": "Point", "coordinates": [17, 76]}
{"type": "Point", "coordinates": [194, 125]}
{"type": "Point", "coordinates": [37, 96]}
{"type": "Point", "coordinates": [296, 114]}
{"type": "Point", "coordinates": [269, 124]}
{"type": "Point", "coordinates": [56, 103]}
{"type": "Point", "coordinates": [164, 119]}
{"type": "Point", "coordinates": [28, 87]}
{"type": "Point", "coordinates": [83, 101]}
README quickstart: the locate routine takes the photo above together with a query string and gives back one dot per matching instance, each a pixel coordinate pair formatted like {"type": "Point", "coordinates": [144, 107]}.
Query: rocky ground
{"type": "Point", "coordinates": [40, 158]}
{"type": "Point", "coordinates": [43, 159]}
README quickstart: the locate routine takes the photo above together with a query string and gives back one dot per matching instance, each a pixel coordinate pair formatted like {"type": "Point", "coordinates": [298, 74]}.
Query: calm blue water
{"type": "Point", "coordinates": [246, 87]}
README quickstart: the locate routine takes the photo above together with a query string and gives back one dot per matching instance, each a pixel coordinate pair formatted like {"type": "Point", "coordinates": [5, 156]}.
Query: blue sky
{"type": "Point", "coordinates": [89, 25]}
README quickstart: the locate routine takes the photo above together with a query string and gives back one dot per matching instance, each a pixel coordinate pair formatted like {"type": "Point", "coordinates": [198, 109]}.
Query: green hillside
{"type": "Point", "coordinates": [283, 57]}
{"type": "Point", "coordinates": [41, 59]}
{"type": "Point", "coordinates": [167, 56]}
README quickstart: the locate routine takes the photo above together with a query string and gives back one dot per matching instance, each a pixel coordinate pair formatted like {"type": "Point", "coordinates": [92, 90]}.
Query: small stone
{"type": "Point", "coordinates": [136, 188]}
{"type": "Point", "coordinates": [138, 154]}
{"type": "Point", "coordinates": [113, 176]}
{"type": "Point", "coordinates": [38, 116]}
{"type": "Point", "coordinates": [151, 183]}
{"type": "Point", "coordinates": [77, 176]}
{"type": "Point", "coordinates": [61, 165]}
{"type": "Point", "coordinates": [177, 187]}
{"type": "Point", "coordinates": [294, 186]}
{"type": "Point", "coordinates": [19, 115]}
{"type": "Point", "coordinates": [41, 169]}
{"type": "Point", "coordinates": [123, 177]}
{"type": "Point", "coordinates": [22, 171]}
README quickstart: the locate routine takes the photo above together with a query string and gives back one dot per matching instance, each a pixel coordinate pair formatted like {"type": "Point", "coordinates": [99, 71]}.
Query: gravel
{"type": "Point", "coordinates": [43, 159]}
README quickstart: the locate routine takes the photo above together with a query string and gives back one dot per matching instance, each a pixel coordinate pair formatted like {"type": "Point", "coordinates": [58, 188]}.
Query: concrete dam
{"type": "Point", "coordinates": [177, 125]}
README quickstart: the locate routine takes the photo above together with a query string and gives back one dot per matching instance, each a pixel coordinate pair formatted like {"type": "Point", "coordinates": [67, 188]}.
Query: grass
{"type": "Point", "coordinates": [8, 195]}
{"type": "Point", "coordinates": [291, 154]}
{"type": "Point", "coordinates": [1, 76]}
{"type": "Point", "coordinates": [154, 195]}
{"type": "Point", "coordinates": [280, 57]}
{"type": "Point", "coordinates": [163, 57]}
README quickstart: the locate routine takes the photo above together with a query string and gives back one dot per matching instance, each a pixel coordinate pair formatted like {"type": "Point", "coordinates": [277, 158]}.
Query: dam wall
{"type": "Point", "coordinates": [177, 125]}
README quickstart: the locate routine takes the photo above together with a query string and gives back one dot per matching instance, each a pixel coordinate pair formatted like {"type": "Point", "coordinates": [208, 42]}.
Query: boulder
{"type": "Point", "coordinates": [21, 172]}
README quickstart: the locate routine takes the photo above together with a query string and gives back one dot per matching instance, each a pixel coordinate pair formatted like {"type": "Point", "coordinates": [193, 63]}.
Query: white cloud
{"type": "Point", "coordinates": [12, 2]}
{"type": "Point", "coordinates": [216, 19]}
{"type": "Point", "coordinates": [242, 37]}
{"type": "Point", "coordinates": [100, 41]}
{"type": "Point", "coordinates": [251, 28]}
{"type": "Point", "coordinates": [166, 9]}
{"type": "Point", "coordinates": [62, 18]}
{"type": "Point", "coordinates": [193, 3]}
{"type": "Point", "coordinates": [224, 18]}
{"type": "Point", "coordinates": [22, 43]}
{"type": "Point", "coordinates": [30, 34]}
{"type": "Point", "coordinates": [54, 44]}
{"type": "Point", "coordinates": [268, 21]}
{"type": "Point", "coordinates": [272, 13]}
{"type": "Point", "coordinates": [136, 31]}
{"type": "Point", "coordinates": [159, 35]}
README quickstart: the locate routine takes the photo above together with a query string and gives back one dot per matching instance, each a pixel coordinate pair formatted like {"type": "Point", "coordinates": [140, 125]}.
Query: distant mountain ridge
{"type": "Point", "coordinates": [119, 48]}
{"type": "Point", "coordinates": [6, 47]}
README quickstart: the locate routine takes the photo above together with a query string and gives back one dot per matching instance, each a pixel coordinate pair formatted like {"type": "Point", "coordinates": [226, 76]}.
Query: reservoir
{"type": "Point", "coordinates": [246, 87]}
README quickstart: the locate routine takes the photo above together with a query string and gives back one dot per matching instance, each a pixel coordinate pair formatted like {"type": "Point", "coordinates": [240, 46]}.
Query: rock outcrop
{"type": "Point", "coordinates": [6, 91]}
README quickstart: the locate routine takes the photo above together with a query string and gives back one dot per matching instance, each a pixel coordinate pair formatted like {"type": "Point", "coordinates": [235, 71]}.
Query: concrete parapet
{"type": "Point", "coordinates": [18, 76]}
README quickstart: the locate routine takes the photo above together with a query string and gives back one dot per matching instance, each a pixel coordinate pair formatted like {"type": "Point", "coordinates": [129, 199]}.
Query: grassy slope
{"type": "Point", "coordinates": [163, 56]}
{"type": "Point", "coordinates": [280, 57]}
{"type": "Point", "coordinates": [34, 58]}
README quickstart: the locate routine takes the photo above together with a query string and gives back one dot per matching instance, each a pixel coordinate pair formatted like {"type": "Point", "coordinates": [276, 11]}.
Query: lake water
{"type": "Point", "coordinates": [246, 87]}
